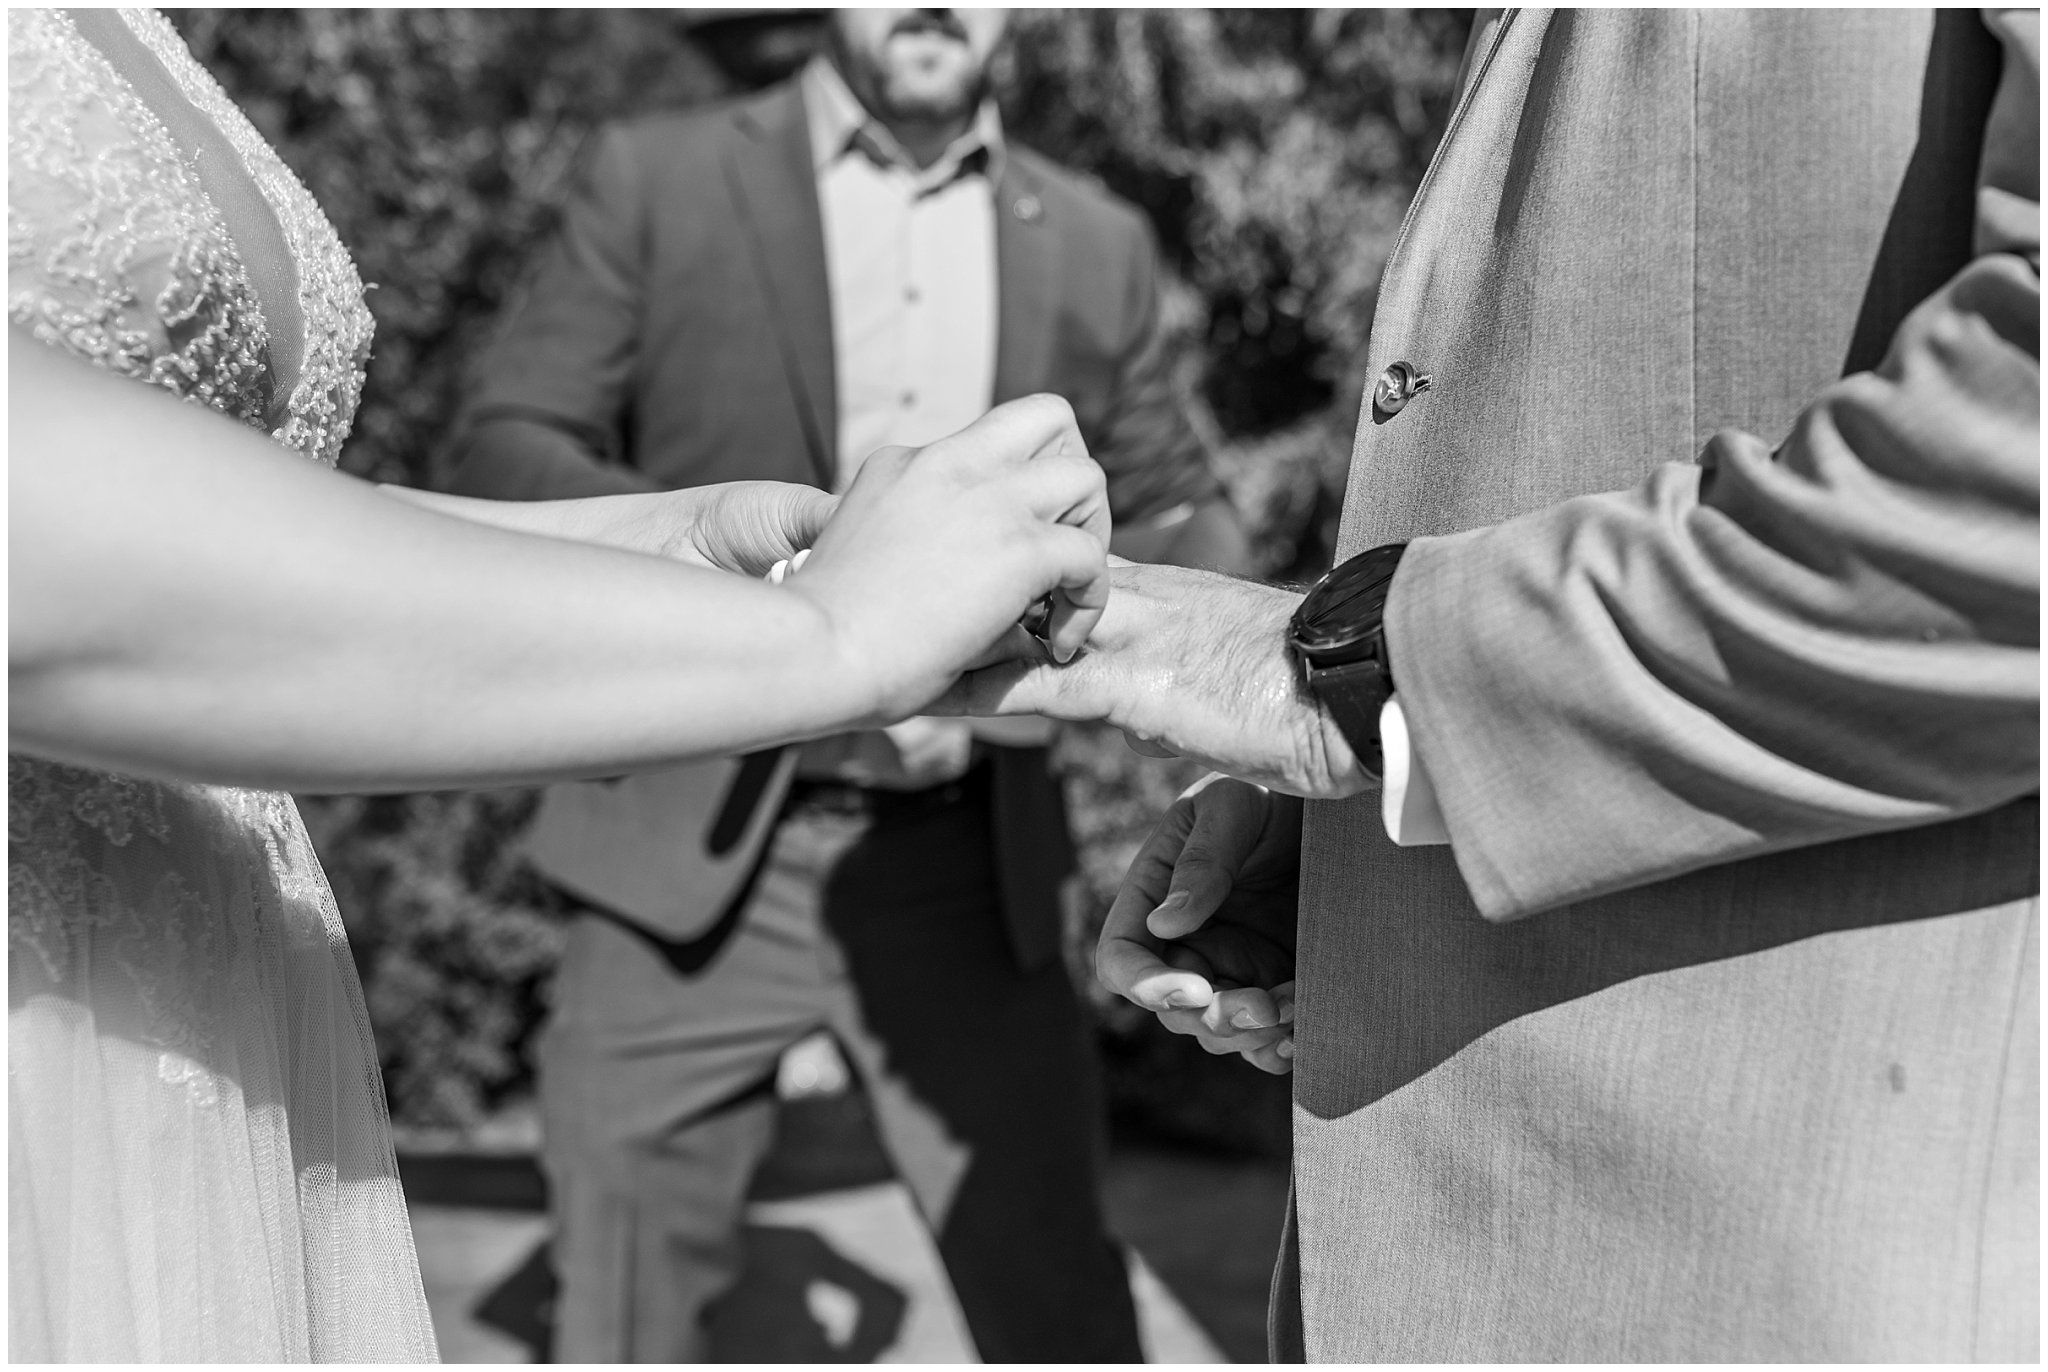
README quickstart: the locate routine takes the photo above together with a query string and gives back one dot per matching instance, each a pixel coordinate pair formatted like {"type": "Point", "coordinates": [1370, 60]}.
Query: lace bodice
{"type": "Point", "coordinates": [116, 253]}
{"type": "Point", "coordinates": [199, 1161]}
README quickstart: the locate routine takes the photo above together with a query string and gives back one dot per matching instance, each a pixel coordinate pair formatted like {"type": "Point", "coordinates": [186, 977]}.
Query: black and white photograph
{"type": "Point", "coordinates": [957, 686]}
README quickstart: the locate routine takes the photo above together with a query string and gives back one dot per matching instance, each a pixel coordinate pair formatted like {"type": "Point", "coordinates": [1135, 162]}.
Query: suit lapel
{"type": "Point", "coordinates": [775, 190]}
{"type": "Point", "coordinates": [1027, 290]}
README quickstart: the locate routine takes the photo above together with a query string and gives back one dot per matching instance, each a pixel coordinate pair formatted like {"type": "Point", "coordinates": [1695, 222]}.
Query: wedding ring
{"type": "Point", "coordinates": [1038, 618]}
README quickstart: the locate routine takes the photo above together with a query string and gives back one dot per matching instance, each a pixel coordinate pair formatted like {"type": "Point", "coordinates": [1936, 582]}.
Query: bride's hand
{"type": "Point", "coordinates": [935, 554]}
{"type": "Point", "coordinates": [738, 526]}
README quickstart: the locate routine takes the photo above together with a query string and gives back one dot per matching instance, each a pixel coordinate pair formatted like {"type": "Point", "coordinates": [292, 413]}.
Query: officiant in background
{"type": "Point", "coordinates": [1272, 153]}
{"type": "Point", "coordinates": [774, 288]}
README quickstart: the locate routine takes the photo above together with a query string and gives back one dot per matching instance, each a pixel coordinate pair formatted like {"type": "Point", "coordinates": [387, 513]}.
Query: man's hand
{"type": "Point", "coordinates": [1202, 932]}
{"type": "Point", "coordinates": [1189, 663]}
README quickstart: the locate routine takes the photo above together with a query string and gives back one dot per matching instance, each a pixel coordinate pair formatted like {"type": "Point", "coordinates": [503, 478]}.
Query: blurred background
{"type": "Point", "coordinates": [1274, 151]}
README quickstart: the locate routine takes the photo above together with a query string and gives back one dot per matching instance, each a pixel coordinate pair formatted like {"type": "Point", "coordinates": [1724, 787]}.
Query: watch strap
{"type": "Point", "coordinates": [1354, 693]}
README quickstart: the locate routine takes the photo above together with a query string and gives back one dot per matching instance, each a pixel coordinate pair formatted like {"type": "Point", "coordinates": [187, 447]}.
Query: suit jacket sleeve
{"type": "Point", "coordinates": [1765, 650]}
{"type": "Point", "coordinates": [1149, 453]}
{"type": "Point", "coordinates": [546, 412]}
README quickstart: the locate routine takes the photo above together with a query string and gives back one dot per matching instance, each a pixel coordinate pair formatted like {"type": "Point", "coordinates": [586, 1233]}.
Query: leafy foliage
{"type": "Point", "coordinates": [1274, 152]}
{"type": "Point", "coordinates": [438, 141]}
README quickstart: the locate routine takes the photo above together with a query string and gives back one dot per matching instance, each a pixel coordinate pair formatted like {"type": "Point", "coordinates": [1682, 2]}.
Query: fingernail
{"type": "Point", "coordinates": [1247, 1019]}
{"type": "Point", "coordinates": [1174, 901]}
{"type": "Point", "coordinates": [1285, 1048]}
{"type": "Point", "coordinates": [1178, 1000]}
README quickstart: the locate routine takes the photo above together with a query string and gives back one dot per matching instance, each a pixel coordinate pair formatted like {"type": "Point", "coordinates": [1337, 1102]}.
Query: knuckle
{"type": "Point", "coordinates": [1053, 405]}
{"type": "Point", "coordinates": [888, 462]}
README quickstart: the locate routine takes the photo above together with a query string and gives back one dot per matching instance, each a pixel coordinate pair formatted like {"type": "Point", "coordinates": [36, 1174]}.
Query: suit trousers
{"type": "Point", "coordinates": [883, 928]}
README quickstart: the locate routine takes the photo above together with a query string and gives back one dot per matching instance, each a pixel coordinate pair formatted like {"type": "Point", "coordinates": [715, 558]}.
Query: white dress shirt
{"type": "Point", "coordinates": [1407, 798]}
{"type": "Point", "coordinates": [910, 256]}
{"type": "Point", "coordinates": [910, 262]}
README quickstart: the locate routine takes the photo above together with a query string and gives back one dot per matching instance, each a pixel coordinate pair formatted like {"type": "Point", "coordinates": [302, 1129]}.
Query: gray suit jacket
{"type": "Point", "coordinates": [677, 332]}
{"type": "Point", "coordinates": [1714, 1034]}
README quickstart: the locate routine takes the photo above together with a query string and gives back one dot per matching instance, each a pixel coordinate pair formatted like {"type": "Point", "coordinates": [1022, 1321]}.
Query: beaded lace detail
{"type": "Point", "coordinates": [113, 251]}
{"type": "Point", "coordinates": [199, 1161]}
{"type": "Point", "coordinates": [338, 325]}
{"type": "Point", "coordinates": [116, 254]}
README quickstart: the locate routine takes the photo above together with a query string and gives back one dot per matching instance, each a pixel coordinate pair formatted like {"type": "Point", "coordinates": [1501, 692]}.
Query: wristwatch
{"type": "Point", "coordinates": [1339, 633]}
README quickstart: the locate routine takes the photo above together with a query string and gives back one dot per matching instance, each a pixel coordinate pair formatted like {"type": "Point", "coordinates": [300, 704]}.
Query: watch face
{"type": "Point", "coordinates": [1337, 619]}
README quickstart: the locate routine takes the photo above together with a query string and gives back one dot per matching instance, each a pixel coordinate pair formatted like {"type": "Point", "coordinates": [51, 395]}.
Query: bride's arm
{"type": "Point", "coordinates": [736, 526]}
{"type": "Point", "coordinates": [187, 601]}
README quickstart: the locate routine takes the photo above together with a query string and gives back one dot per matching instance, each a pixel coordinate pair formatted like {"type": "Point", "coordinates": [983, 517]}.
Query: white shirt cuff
{"type": "Point", "coordinates": [1407, 799]}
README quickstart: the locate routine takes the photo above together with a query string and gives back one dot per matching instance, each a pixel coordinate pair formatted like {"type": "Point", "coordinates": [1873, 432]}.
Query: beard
{"type": "Point", "coordinates": [928, 72]}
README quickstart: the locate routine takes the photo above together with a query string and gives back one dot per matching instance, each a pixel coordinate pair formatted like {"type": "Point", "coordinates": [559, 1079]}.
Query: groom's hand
{"type": "Point", "coordinates": [1190, 663]}
{"type": "Point", "coordinates": [1202, 931]}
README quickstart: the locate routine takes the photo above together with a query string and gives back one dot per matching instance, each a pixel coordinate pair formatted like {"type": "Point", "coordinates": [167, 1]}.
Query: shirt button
{"type": "Point", "coordinates": [910, 294]}
{"type": "Point", "coordinates": [1398, 384]}
{"type": "Point", "coordinates": [909, 399]}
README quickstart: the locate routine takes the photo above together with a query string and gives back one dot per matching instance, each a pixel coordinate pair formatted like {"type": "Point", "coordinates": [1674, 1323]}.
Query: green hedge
{"type": "Point", "coordinates": [1274, 151]}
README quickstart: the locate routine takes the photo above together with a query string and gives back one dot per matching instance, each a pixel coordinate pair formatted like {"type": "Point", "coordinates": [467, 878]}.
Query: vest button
{"type": "Point", "coordinates": [1398, 384]}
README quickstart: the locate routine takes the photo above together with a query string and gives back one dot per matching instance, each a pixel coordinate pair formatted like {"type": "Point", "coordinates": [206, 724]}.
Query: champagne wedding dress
{"type": "Point", "coordinates": [199, 1161]}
